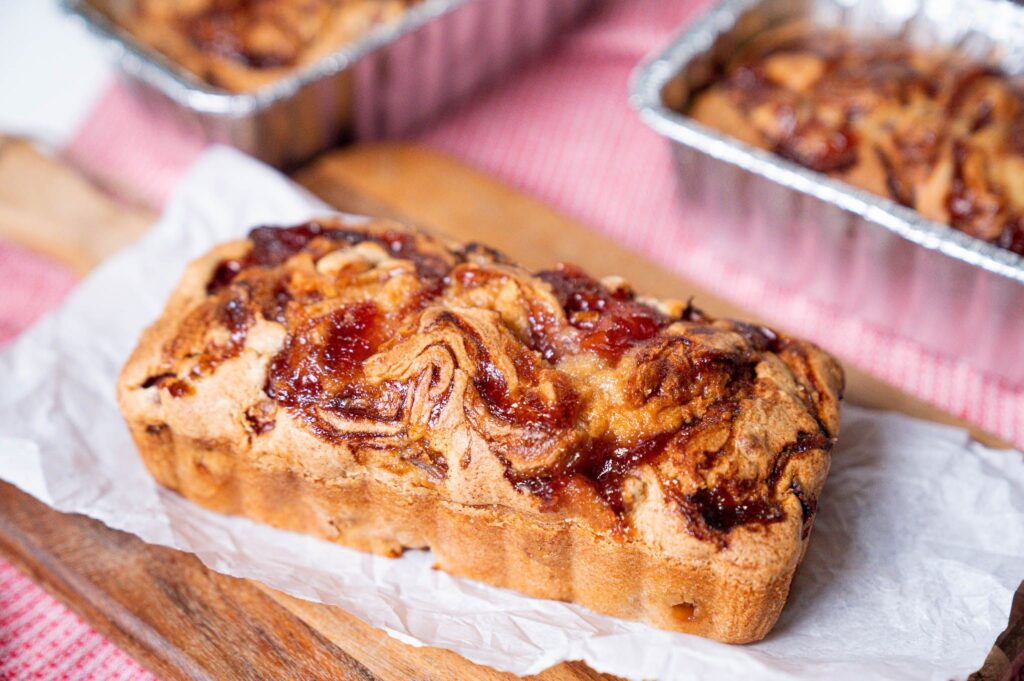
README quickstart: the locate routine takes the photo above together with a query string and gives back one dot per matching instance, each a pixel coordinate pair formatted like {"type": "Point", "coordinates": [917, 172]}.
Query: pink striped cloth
{"type": "Point", "coordinates": [561, 131]}
{"type": "Point", "coordinates": [39, 637]}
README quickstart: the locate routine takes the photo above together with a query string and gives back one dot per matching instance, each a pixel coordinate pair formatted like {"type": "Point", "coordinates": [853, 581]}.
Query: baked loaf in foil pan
{"type": "Point", "coordinates": [933, 130]}
{"type": "Point", "coordinates": [243, 45]}
{"type": "Point", "coordinates": [283, 80]}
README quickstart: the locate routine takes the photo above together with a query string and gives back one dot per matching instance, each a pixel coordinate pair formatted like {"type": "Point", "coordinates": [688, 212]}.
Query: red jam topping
{"type": "Point", "coordinates": [320, 365]}
{"type": "Point", "coordinates": [272, 246]}
{"type": "Point", "coordinates": [712, 512]}
{"type": "Point", "coordinates": [318, 373]}
{"type": "Point", "coordinates": [603, 463]}
{"type": "Point", "coordinates": [610, 322]}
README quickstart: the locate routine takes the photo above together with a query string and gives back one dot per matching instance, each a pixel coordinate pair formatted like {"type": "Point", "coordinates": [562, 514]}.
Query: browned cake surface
{"type": "Point", "coordinates": [242, 45]}
{"type": "Point", "coordinates": [935, 131]}
{"type": "Point", "coordinates": [541, 431]}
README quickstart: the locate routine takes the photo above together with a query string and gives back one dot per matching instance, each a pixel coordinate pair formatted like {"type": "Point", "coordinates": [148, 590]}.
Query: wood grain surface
{"type": "Point", "coordinates": [178, 619]}
{"type": "Point", "coordinates": [181, 620]}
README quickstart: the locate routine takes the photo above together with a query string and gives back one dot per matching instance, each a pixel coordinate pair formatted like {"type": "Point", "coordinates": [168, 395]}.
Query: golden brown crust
{"type": "Point", "coordinates": [935, 131]}
{"type": "Point", "coordinates": [242, 45]}
{"type": "Point", "coordinates": [543, 432]}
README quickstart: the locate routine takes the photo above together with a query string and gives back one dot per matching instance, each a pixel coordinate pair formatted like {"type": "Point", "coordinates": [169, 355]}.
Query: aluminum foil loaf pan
{"type": "Point", "coordinates": [863, 255]}
{"type": "Point", "coordinates": [385, 84]}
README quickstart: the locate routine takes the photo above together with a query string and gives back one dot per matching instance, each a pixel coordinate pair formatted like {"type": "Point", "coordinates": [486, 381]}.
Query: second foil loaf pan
{"type": "Point", "coordinates": [387, 83]}
{"type": "Point", "coordinates": [861, 254]}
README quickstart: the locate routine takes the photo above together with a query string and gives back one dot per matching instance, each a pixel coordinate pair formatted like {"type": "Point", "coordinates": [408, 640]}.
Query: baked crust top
{"type": "Point", "coordinates": [936, 131]}
{"type": "Point", "coordinates": [242, 45]}
{"type": "Point", "coordinates": [339, 346]}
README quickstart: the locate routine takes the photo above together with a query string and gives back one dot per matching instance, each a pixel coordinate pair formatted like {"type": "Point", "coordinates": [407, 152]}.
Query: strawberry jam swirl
{"type": "Point", "coordinates": [935, 131]}
{"type": "Point", "coordinates": [267, 34]}
{"type": "Point", "coordinates": [380, 321]}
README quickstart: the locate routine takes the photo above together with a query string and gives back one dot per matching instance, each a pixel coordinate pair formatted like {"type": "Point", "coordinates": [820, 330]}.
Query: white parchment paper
{"type": "Point", "coordinates": [917, 547]}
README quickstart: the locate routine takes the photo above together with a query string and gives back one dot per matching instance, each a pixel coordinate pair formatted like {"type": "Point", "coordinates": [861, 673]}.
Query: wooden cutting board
{"type": "Point", "coordinates": [163, 607]}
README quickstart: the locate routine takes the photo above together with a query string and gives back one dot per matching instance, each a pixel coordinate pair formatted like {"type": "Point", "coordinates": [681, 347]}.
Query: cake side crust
{"type": "Point", "coordinates": [495, 545]}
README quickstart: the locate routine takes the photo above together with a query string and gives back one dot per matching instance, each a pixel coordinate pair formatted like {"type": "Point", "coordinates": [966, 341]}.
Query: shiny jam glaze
{"type": "Point", "coordinates": [603, 464]}
{"type": "Point", "coordinates": [712, 512]}
{"type": "Point", "coordinates": [318, 370]}
{"type": "Point", "coordinates": [318, 374]}
{"type": "Point", "coordinates": [610, 322]}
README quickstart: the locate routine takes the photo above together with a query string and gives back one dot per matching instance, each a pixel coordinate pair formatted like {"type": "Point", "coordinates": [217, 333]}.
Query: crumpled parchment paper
{"type": "Point", "coordinates": [917, 547]}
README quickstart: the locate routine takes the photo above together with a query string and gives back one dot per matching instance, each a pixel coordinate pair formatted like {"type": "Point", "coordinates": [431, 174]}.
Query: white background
{"type": "Point", "coordinates": [51, 70]}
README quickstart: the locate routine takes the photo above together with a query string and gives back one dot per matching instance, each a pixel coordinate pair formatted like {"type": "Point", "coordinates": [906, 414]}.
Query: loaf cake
{"type": "Point", "coordinates": [243, 45]}
{"type": "Point", "coordinates": [933, 130]}
{"type": "Point", "coordinates": [547, 432]}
